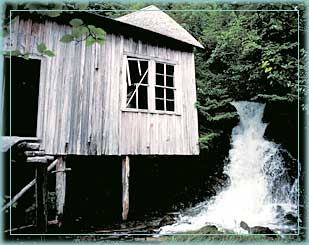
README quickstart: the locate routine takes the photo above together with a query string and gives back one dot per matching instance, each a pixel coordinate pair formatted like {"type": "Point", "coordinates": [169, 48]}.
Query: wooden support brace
{"type": "Point", "coordinates": [41, 198]}
{"type": "Point", "coordinates": [60, 189]}
{"type": "Point", "coordinates": [26, 188]}
{"type": "Point", "coordinates": [125, 187]}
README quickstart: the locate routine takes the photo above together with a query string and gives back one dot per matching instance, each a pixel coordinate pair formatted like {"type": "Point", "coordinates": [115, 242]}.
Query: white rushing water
{"type": "Point", "coordinates": [259, 192]}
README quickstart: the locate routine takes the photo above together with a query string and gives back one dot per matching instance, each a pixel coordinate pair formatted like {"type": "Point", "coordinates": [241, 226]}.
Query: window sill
{"type": "Point", "coordinates": [151, 112]}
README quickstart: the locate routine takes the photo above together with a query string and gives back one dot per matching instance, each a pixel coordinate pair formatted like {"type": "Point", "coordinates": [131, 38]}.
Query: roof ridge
{"type": "Point", "coordinates": [156, 20]}
{"type": "Point", "coordinates": [150, 7]}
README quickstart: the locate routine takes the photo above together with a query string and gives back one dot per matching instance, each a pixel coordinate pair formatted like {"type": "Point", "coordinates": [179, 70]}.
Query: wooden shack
{"type": "Point", "coordinates": [133, 95]}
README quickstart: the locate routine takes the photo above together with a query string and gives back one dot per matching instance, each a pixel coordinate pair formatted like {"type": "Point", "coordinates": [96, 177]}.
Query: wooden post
{"type": "Point", "coordinates": [125, 187]}
{"type": "Point", "coordinates": [41, 197]}
{"type": "Point", "coordinates": [60, 189]}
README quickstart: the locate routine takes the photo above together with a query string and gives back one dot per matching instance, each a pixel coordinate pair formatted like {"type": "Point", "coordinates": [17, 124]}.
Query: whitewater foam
{"type": "Point", "coordinates": [260, 191]}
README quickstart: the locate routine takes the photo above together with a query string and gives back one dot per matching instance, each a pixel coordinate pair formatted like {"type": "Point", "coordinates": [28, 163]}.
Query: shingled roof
{"type": "Point", "coordinates": [153, 19]}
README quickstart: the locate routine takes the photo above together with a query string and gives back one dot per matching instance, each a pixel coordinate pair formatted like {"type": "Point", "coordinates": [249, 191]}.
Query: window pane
{"type": "Point", "coordinates": [160, 104]}
{"type": "Point", "coordinates": [160, 93]}
{"type": "Point", "coordinates": [160, 80]}
{"type": "Point", "coordinates": [132, 103]}
{"type": "Point", "coordinates": [169, 70]}
{"type": "Point", "coordinates": [170, 94]}
{"type": "Point", "coordinates": [142, 97]}
{"type": "Point", "coordinates": [144, 66]}
{"type": "Point", "coordinates": [137, 70]}
{"type": "Point", "coordinates": [169, 81]}
{"type": "Point", "coordinates": [160, 68]}
{"type": "Point", "coordinates": [134, 73]}
{"type": "Point", "coordinates": [170, 106]}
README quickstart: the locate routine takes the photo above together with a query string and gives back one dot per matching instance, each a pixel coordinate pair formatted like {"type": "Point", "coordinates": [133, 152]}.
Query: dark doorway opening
{"type": "Point", "coordinates": [25, 77]}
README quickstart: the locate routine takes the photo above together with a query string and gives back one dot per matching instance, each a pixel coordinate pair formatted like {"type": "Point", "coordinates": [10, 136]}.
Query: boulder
{"type": "Point", "coordinates": [261, 230]}
{"type": "Point", "coordinates": [245, 226]}
{"type": "Point", "coordinates": [256, 229]}
{"type": "Point", "coordinates": [290, 218]}
{"type": "Point", "coordinates": [167, 220]}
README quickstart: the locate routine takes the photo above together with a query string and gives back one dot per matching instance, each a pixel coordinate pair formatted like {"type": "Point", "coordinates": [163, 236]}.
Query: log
{"type": "Point", "coordinates": [34, 153]}
{"type": "Point", "coordinates": [19, 228]}
{"type": "Point", "coordinates": [32, 146]}
{"type": "Point", "coordinates": [36, 160]}
{"type": "Point", "coordinates": [41, 198]}
{"type": "Point", "coordinates": [125, 187]}
{"type": "Point", "coordinates": [26, 188]}
{"type": "Point", "coordinates": [60, 188]}
{"type": "Point", "coordinates": [126, 230]}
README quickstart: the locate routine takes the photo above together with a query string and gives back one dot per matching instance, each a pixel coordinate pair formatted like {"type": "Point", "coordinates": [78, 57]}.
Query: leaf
{"type": "Point", "coordinates": [268, 69]}
{"type": "Point", "coordinates": [76, 22]}
{"type": "Point", "coordinates": [67, 38]}
{"type": "Point", "coordinates": [265, 63]}
{"type": "Point", "coordinates": [26, 56]}
{"type": "Point", "coordinates": [101, 41]}
{"type": "Point", "coordinates": [49, 53]}
{"type": "Point", "coordinates": [77, 32]}
{"type": "Point", "coordinates": [92, 28]}
{"type": "Point", "coordinates": [53, 14]}
{"type": "Point", "coordinates": [90, 40]}
{"type": "Point", "coordinates": [41, 47]}
{"type": "Point", "coordinates": [99, 31]}
{"type": "Point", "coordinates": [15, 53]}
{"type": "Point", "coordinates": [82, 6]}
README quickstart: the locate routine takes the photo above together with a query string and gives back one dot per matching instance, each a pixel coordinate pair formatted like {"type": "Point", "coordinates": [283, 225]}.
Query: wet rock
{"type": "Point", "coordinates": [245, 226]}
{"type": "Point", "coordinates": [209, 229]}
{"type": "Point", "coordinates": [261, 230]}
{"type": "Point", "coordinates": [256, 229]}
{"type": "Point", "coordinates": [290, 218]}
{"type": "Point", "coordinates": [167, 220]}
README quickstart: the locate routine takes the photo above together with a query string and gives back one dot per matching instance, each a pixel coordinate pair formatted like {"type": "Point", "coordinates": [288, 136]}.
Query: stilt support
{"type": "Point", "coordinates": [41, 198]}
{"type": "Point", "coordinates": [125, 187]}
{"type": "Point", "coordinates": [60, 188]}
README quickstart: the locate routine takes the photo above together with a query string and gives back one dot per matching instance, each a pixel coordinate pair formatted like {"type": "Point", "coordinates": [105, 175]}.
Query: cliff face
{"type": "Point", "coordinates": [283, 125]}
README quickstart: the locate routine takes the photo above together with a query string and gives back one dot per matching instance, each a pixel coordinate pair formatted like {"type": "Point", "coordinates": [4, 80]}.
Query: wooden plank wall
{"type": "Point", "coordinates": [80, 96]}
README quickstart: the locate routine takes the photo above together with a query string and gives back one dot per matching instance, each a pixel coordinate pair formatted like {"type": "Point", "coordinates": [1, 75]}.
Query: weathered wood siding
{"type": "Point", "coordinates": [81, 98]}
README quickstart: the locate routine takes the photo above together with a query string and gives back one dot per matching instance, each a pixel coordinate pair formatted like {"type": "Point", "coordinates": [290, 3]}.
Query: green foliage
{"type": "Point", "coordinates": [41, 47]}
{"type": "Point", "coordinates": [67, 38]}
{"type": "Point", "coordinates": [223, 116]}
{"type": "Point", "coordinates": [247, 55]}
{"type": "Point", "coordinates": [76, 22]}
{"type": "Point", "coordinates": [207, 140]}
{"type": "Point", "coordinates": [81, 32]}
{"type": "Point", "coordinates": [288, 98]}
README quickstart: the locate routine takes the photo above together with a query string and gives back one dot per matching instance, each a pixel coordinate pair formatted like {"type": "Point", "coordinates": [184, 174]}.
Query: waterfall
{"type": "Point", "coordinates": [260, 192]}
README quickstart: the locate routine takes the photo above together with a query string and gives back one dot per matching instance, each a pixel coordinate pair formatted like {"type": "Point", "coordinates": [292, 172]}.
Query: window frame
{"type": "Point", "coordinates": [135, 92]}
{"type": "Point", "coordinates": [165, 87]}
{"type": "Point", "coordinates": [151, 86]}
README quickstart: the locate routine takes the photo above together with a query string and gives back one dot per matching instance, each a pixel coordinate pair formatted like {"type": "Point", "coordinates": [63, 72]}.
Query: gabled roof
{"type": "Point", "coordinates": [153, 19]}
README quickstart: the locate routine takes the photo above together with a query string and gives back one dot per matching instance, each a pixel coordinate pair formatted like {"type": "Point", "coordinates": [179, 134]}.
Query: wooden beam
{"type": "Point", "coordinates": [60, 188]}
{"type": "Point", "coordinates": [125, 187]}
{"type": "Point", "coordinates": [41, 198]}
{"type": "Point", "coordinates": [26, 188]}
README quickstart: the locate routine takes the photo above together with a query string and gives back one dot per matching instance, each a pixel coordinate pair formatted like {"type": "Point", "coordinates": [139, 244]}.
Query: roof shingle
{"type": "Point", "coordinates": [153, 19]}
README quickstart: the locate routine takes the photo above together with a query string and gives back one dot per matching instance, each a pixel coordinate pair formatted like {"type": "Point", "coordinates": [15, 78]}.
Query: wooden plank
{"type": "Point", "coordinates": [60, 188]}
{"type": "Point", "coordinates": [125, 187]}
{"type": "Point", "coordinates": [41, 198]}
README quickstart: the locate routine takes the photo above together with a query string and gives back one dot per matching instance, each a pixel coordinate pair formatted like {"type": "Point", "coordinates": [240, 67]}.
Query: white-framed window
{"type": "Point", "coordinates": [164, 87]}
{"type": "Point", "coordinates": [150, 85]}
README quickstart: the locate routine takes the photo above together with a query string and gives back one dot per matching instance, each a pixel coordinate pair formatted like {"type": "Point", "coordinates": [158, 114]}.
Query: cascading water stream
{"type": "Point", "coordinates": [260, 192]}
